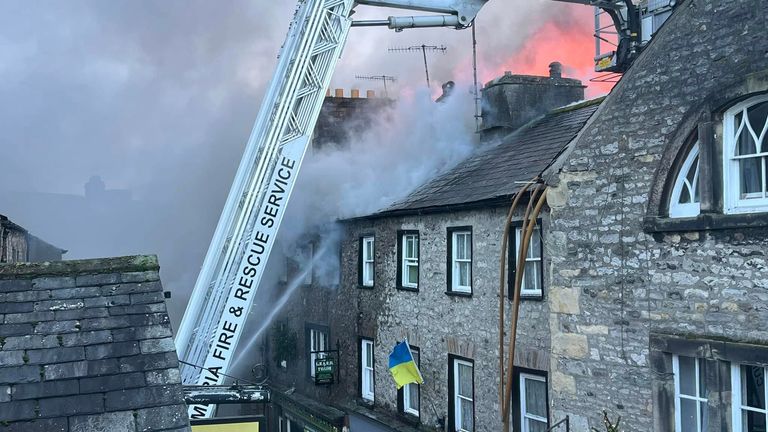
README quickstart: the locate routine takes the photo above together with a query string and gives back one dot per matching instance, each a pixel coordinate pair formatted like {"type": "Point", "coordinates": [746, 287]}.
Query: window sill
{"type": "Point", "coordinates": [705, 222]}
{"type": "Point", "coordinates": [410, 418]}
{"type": "Point", "coordinates": [529, 297]}
{"type": "Point", "coordinates": [366, 287]}
{"type": "Point", "coordinates": [458, 294]}
{"type": "Point", "coordinates": [402, 288]}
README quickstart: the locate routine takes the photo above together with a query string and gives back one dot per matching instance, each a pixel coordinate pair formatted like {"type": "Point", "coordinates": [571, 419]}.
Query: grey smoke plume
{"type": "Point", "coordinates": [159, 98]}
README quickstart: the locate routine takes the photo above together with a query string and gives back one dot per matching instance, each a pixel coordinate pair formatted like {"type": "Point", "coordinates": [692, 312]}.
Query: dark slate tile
{"type": "Point", "coordinates": [112, 382]}
{"type": "Point", "coordinates": [19, 374]}
{"type": "Point", "coordinates": [115, 349]}
{"type": "Point", "coordinates": [76, 293]}
{"type": "Point", "coordinates": [145, 397]}
{"type": "Point", "coordinates": [55, 355]}
{"type": "Point", "coordinates": [108, 301]}
{"type": "Point", "coordinates": [71, 405]}
{"type": "Point", "coordinates": [107, 422]}
{"type": "Point", "coordinates": [45, 389]}
{"type": "Point", "coordinates": [132, 288]}
{"type": "Point", "coordinates": [166, 417]}
{"type": "Point", "coordinates": [66, 370]}
{"type": "Point", "coordinates": [15, 329]}
{"type": "Point", "coordinates": [53, 282]}
{"type": "Point", "coordinates": [15, 285]}
{"type": "Point", "coordinates": [86, 338]}
{"type": "Point", "coordinates": [18, 410]}
{"type": "Point", "coordinates": [98, 279]}
{"type": "Point", "coordinates": [38, 425]}
{"type": "Point", "coordinates": [147, 362]}
{"type": "Point", "coordinates": [29, 342]}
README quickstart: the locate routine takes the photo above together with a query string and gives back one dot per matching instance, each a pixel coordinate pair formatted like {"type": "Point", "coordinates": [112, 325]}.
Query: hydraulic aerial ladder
{"type": "Point", "coordinates": [229, 279]}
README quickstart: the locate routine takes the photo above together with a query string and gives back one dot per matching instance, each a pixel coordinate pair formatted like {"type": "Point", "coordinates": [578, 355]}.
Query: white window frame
{"type": "Point", "coordinates": [525, 291]}
{"type": "Point", "coordinates": [367, 373]}
{"type": "Point", "coordinates": [407, 392]}
{"type": "Point", "coordinates": [693, 208]}
{"type": "Point", "coordinates": [525, 416]}
{"type": "Point", "coordinates": [368, 262]}
{"type": "Point", "coordinates": [732, 182]}
{"type": "Point", "coordinates": [698, 399]}
{"type": "Point", "coordinates": [318, 341]}
{"type": "Point", "coordinates": [408, 262]}
{"type": "Point", "coordinates": [458, 397]}
{"type": "Point", "coordinates": [456, 262]}
{"type": "Point", "coordinates": [736, 402]}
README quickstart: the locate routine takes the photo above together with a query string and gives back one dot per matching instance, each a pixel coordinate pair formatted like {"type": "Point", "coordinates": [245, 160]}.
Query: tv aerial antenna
{"type": "Point", "coordinates": [424, 49]}
{"type": "Point", "coordinates": [383, 78]}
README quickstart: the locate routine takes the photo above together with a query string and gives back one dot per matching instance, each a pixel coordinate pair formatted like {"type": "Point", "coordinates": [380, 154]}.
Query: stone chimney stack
{"type": "Point", "coordinates": [511, 101]}
{"type": "Point", "coordinates": [555, 70]}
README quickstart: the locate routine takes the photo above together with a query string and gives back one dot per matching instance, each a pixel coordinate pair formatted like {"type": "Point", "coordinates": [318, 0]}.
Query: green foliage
{"type": "Point", "coordinates": [609, 426]}
{"type": "Point", "coordinates": [284, 342]}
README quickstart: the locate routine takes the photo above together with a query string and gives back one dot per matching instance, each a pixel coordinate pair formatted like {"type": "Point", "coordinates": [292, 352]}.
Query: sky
{"type": "Point", "coordinates": [159, 97]}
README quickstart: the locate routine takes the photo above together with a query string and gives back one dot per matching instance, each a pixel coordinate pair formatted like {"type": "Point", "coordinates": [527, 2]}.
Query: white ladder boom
{"type": "Point", "coordinates": [235, 263]}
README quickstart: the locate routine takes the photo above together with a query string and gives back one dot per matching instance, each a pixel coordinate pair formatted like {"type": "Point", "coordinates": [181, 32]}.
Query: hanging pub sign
{"type": "Point", "coordinates": [325, 370]}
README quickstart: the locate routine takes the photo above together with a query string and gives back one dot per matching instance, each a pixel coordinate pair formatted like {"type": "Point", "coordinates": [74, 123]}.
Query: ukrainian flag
{"type": "Point", "coordinates": [403, 367]}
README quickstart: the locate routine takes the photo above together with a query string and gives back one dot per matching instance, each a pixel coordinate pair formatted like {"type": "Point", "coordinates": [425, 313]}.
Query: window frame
{"type": "Point", "coordinates": [368, 396]}
{"type": "Point", "coordinates": [452, 262]}
{"type": "Point", "coordinates": [308, 330]}
{"type": "Point", "coordinates": [732, 202]}
{"type": "Point", "coordinates": [512, 250]}
{"type": "Point", "coordinates": [682, 210]}
{"type": "Point", "coordinates": [698, 361]}
{"type": "Point", "coordinates": [362, 260]}
{"type": "Point", "coordinates": [522, 378]}
{"type": "Point", "coordinates": [401, 394]}
{"type": "Point", "coordinates": [454, 409]}
{"type": "Point", "coordinates": [736, 396]}
{"type": "Point", "coordinates": [401, 265]}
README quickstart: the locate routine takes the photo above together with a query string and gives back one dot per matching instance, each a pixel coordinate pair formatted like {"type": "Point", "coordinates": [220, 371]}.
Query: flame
{"type": "Point", "coordinates": [568, 39]}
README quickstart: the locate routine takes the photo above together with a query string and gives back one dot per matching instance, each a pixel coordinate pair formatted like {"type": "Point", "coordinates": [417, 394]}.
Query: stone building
{"type": "Point", "coordinates": [372, 309]}
{"type": "Point", "coordinates": [652, 273]}
{"type": "Point", "coordinates": [658, 235]}
{"type": "Point", "coordinates": [18, 245]}
{"type": "Point", "coordinates": [86, 346]}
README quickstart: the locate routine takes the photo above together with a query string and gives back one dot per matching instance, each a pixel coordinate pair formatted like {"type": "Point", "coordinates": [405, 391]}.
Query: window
{"type": "Point", "coordinates": [750, 413]}
{"type": "Point", "coordinates": [746, 156]}
{"type": "Point", "coordinates": [462, 399]}
{"type": "Point", "coordinates": [685, 200]}
{"type": "Point", "coordinates": [408, 262]}
{"type": "Point", "coordinates": [690, 394]}
{"type": "Point", "coordinates": [366, 261]}
{"type": "Point", "coordinates": [533, 277]}
{"type": "Point", "coordinates": [460, 260]}
{"type": "Point", "coordinates": [533, 403]}
{"type": "Point", "coordinates": [366, 370]}
{"type": "Point", "coordinates": [409, 394]}
{"type": "Point", "coordinates": [317, 341]}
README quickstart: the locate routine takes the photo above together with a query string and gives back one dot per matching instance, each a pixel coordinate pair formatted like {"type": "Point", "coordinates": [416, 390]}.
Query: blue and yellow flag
{"type": "Point", "coordinates": [403, 367]}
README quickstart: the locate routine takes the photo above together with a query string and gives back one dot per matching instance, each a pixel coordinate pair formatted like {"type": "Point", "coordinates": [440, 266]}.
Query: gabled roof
{"type": "Point", "coordinates": [491, 175]}
{"type": "Point", "coordinates": [87, 345]}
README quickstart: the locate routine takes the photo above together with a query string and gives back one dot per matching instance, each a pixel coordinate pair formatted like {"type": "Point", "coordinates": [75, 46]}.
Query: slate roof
{"type": "Point", "coordinates": [492, 175]}
{"type": "Point", "coordinates": [87, 346]}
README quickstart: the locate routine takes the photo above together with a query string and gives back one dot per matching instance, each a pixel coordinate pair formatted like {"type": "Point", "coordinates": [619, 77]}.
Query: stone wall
{"type": "Point", "coordinates": [437, 323]}
{"type": "Point", "coordinates": [87, 346]}
{"type": "Point", "coordinates": [625, 283]}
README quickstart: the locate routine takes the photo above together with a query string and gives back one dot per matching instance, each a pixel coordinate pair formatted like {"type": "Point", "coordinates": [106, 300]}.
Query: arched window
{"type": "Point", "coordinates": [684, 200]}
{"type": "Point", "coordinates": [745, 150]}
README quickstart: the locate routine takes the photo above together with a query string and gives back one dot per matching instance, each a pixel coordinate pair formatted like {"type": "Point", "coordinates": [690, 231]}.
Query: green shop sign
{"type": "Point", "coordinates": [325, 370]}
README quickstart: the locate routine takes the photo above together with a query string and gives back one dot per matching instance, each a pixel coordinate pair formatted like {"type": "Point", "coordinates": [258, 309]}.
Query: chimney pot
{"type": "Point", "coordinates": [339, 93]}
{"type": "Point", "coordinates": [370, 94]}
{"type": "Point", "coordinates": [328, 93]}
{"type": "Point", "coordinates": [555, 70]}
{"type": "Point", "coordinates": [355, 93]}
